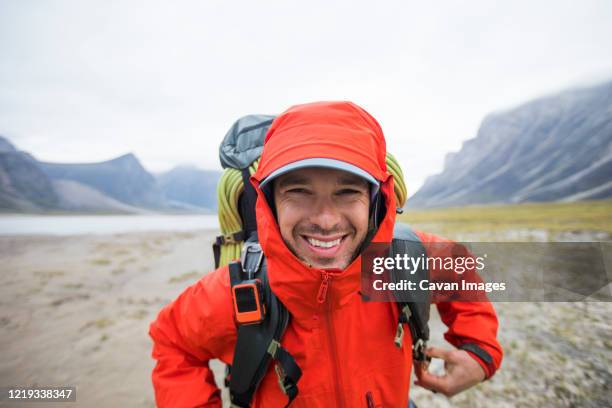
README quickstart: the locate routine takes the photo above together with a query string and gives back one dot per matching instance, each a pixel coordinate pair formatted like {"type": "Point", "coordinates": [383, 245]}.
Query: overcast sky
{"type": "Point", "coordinates": [84, 81]}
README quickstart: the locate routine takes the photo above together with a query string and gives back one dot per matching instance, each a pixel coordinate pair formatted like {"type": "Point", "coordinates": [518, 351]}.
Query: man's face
{"type": "Point", "coordinates": [322, 215]}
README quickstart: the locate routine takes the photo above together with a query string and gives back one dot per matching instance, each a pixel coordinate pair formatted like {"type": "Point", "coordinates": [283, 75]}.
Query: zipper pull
{"type": "Point", "coordinates": [323, 288]}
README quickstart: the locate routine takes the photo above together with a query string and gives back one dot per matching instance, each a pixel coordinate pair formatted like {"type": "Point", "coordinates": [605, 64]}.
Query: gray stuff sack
{"type": "Point", "coordinates": [243, 143]}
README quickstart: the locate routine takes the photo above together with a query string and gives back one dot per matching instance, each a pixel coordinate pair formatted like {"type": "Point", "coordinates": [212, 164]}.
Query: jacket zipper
{"type": "Point", "coordinates": [322, 298]}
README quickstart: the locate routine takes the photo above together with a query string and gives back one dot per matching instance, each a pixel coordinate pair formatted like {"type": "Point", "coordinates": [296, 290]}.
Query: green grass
{"type": "Point", "coordinates": [551, 217]}
{"type": "Point", "coordinates": [101, 261]}
{"type": "Point", "coordinates": [98, 323]}
{"type": "Point", "coordinates": [49, 274]}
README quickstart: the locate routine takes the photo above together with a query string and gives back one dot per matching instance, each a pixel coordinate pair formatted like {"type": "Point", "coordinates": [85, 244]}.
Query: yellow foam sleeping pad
{"type": "Point", "coordinates": [231, 186]}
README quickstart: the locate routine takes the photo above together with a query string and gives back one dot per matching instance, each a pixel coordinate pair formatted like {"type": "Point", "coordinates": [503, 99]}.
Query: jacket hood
{"type": "Point", "coordinates": [335, 130]}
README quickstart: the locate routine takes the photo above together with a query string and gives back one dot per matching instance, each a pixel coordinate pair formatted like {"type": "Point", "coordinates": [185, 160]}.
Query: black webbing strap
{"type": "Point", "coordinates": [217, 254]}
{"type": "Point", "coordinates": [246, 203]}
{"type": "Point", "coordinates": [287, 370]}
{"type": "Point", "coordinates": [235, 272]}
{"type": "Point", "coordinates": [234, 238]}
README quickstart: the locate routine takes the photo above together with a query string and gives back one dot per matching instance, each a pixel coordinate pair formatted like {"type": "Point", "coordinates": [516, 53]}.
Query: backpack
{"type": "Point", "coordinates": [259, 343]}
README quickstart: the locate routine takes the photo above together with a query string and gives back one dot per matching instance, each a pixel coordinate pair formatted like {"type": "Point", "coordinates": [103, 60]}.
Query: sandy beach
{"type": "Point", "coordinates": [76, 309]}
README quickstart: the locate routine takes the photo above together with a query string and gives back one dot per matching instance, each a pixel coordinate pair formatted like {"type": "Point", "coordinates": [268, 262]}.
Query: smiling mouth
{"type": "Point", "coordinates": [323, 244]}
{"type": "Point", "coordinates": [327, 247]}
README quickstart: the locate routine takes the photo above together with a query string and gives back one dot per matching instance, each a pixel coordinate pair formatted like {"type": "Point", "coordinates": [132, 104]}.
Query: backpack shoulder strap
{"type": "Point", "coordinates": [413, 305]}
{"type": "Point", "coordinates": [258, 344]}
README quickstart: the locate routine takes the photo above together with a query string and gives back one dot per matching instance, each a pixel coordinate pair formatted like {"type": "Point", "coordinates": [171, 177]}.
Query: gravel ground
{"type": "Point", "coordinates": [75, 310]}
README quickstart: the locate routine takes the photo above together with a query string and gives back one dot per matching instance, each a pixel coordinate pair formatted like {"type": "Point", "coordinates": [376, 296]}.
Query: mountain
{"type": "Point", "coordinates": [6, 146]}
{"type": "Point", "coordinates": [190, 185]}
{"type": "Point", "coordinates": [75, 196]}
{"type": "Point", "coordinates": [122, 179]}
{"type": "Point", "coordinates": [557, 148]}
{"type": "Point", "coordinates": [120, 185]}
{"type": "Point", "coordinates": [24, 186]}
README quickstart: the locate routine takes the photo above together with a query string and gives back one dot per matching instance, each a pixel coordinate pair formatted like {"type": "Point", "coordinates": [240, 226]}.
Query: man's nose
{"type": "Point", "coordinates": [325, 214]}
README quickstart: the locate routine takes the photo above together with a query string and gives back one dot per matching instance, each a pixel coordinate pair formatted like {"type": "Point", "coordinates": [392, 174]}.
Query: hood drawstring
{"type": "Point", "coordinates": [322, 295]}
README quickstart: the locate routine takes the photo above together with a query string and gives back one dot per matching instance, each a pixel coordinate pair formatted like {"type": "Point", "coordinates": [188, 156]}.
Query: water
{"type": "Point", "coordinates": [103, 224]}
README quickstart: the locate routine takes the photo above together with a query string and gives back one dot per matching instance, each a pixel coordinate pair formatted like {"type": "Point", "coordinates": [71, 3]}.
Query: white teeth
{"type": "Point", "coordinates": [323, 244]}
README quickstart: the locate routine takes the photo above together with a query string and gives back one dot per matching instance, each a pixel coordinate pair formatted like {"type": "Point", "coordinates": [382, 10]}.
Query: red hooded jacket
{"type": "Point", "coordinates": [343, 345]}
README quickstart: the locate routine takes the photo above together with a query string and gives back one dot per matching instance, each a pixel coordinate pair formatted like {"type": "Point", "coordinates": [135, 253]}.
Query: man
{"type": "Point", "coordinates": [321, 170]}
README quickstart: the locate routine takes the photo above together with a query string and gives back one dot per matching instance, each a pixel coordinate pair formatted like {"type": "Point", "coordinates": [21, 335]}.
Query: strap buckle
{"type": "Point", "coordinates": [233, 238]}
{"type": "Point", "coordinates": [406, 314]}
{"type": "Point", "coordinates": [399, 335]}
{"type": "Point", "coordinates": [280, 374]}
{"type": "Point", "coordinates": [273, 348]}
{"type": "Point", "coordinates": [404, 318]}
{"type": "Point", "coordinates": [288, 387]}
{"type": "Point", "coordinates": [249, 250]}
{"type": "Point", "coordinates": [283, 382]}
{"type": "Point", "coordinates": [418, 351]}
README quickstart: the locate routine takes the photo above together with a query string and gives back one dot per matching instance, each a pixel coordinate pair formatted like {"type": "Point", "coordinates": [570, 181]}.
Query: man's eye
{"type": "Point", "coordinates": [348, 191]}
{"type": "Point", "coordinates": [297, 191]}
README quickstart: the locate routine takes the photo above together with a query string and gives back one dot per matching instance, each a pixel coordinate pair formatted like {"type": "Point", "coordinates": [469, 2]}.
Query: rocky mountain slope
{"type": "Point", "coordinates": [23, 184]}
{"type": "Point", "coordinates": [119, 185]}
{"type": "Point", "coordinates": [123, 179]}
{"type": "Point", "coordinates": [190, 185]}
{"type": "Point", "coordinates": [557, 148]}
